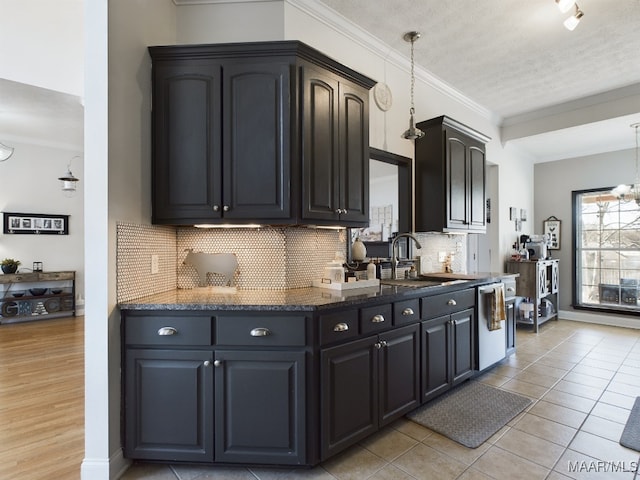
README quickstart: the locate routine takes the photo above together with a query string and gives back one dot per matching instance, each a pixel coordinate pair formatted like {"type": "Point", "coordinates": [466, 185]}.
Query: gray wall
{"type": "Point", "coordinates": [553, 184]}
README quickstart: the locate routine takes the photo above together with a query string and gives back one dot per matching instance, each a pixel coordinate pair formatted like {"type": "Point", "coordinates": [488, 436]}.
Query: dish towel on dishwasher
{"type": "Point", "coordinates": [497, 308]}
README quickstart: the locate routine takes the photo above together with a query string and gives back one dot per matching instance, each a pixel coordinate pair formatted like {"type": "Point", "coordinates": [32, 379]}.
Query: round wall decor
{"type": "Point", "coordinates": [382, 96]}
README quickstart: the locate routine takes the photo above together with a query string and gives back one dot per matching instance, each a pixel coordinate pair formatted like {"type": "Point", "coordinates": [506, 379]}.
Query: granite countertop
{"type": "Point", "coordinates": [298, 299]}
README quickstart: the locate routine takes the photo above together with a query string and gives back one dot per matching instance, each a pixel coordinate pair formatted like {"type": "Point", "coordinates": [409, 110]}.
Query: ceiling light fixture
{"type": "Point", "coordinates": [572, 22]}
{"type": "Point", "coordinates": [412, 133]}
{"type": "Point", "coordinates": [631, 192]}
{"type": "Point", "coordinates": [565, 5]}
{"type": "Point", "coordinates": [69, 181]}
{"type": "Point", "coordinates": [5, 152]}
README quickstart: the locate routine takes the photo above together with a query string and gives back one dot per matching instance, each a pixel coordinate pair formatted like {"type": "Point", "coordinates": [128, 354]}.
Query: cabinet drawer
{"type": "Point", "coordinates": [407, 311]}
{"type": "Point", "coordinates": [168, 330]}
{"type": "Point", "coordinates": [374, 319]}
{"type": "Point", "coordinates": [338, 326]}
{"type": "Point", "coordinates": [261, 330]}
{"type": "Point", "coordinates": [447, 303]}
{"type": "Point", "coordinates": [509, 287]}
{"type": "Point", "coordinates": [56, 276]}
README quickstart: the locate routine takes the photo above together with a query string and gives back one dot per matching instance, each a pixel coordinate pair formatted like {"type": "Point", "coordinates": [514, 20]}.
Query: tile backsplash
{"type": "Point", "coordinates": [269, 258]}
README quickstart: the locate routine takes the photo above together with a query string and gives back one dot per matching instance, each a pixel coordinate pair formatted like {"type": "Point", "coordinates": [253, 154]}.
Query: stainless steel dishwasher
{"type": "Point", "coordinates": [492, 346]}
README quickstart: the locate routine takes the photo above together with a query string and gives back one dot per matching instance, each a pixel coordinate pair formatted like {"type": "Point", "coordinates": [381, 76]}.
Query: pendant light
{"type": "Point", "coordinates": [412, 133]}
{"type": "Point", "coordinates": [631, 192]}
{"type": "Point", "coordinates": [5, 152]}
{"type": "Point", "coordinates": [68, 181]}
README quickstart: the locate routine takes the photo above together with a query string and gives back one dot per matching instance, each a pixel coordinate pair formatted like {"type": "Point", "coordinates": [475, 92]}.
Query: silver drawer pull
{"type": "Point", "coordinates": [511, 289]}
{"type": "Point", "coordinates": [377, 319]}
{"type": "Point", "coordinates": [340, 327]}
{"type": "Point", "coordinates": [260, 332]}
{"type": "Point", "coordinates": [452, 302]}
{"type": "Point", "coordinates": [407, 311]}
{"type": "Point", "coordinates": [167, 331]}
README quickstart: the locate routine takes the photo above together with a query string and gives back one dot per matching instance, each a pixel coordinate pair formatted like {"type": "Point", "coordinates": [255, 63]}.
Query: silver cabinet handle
{"type": "Point", "coordinates": [377, 319]}
{"type": "Point", "coordinates": [260, 332]}
{"type": "Point", "coordinates": [225, 208]}
{"type": "Point", "coordinates": [380, 344]}
{"type": "Point", "coordinates": [167, 331]}
{"type": "Point", "coordinates": [216, 208]}
{"type": "Point", "coordinates": [407, 311]}
{"type": "Point", "coordinates": [452, 302]}
{"type": "Point", "coordinates": [217, 363]}
{"type": "Point", "coordinates": [511, 289]}
{"type": "Point", "coordinates": [207, 363]}
{"type": "Point", "coordinates": [340, 327]}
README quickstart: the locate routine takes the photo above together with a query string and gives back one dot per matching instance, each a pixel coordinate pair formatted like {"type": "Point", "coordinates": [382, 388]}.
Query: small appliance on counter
{"type": "Point", "coordinates": [538, 247]}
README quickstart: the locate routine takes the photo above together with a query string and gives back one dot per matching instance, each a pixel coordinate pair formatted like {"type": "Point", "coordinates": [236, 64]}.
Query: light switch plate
{"type": "Point", "coordinates": [442, 256]}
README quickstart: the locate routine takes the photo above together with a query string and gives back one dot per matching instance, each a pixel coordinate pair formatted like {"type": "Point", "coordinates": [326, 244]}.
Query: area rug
{"type": "Point", "coordinates": [470, 413]}
{"type": "Point", "coordinates": [630, 437]}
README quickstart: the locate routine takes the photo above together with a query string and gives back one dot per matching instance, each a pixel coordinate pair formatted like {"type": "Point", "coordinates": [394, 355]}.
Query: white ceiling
{"type": "Point", "coordinates": [516, 59]}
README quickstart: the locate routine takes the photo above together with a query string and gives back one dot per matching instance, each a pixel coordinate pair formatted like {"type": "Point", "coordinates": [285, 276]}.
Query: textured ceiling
{"type": "Point", "coordinates": [511, 56]}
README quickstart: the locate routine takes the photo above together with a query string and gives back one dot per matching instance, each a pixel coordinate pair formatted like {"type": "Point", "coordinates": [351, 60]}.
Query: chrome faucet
{"type": "Point", "coordinates": [394, 256]}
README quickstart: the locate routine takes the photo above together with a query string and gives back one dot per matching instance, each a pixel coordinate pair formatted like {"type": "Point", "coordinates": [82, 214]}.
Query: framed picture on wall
{"type": "Point", "coordinates": [35, 224]}
{"type": "Point", "coordinates": [551, 226]}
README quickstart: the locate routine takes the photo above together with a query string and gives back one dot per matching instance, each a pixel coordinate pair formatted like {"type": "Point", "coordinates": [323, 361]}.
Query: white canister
{"type": "Point", "coordinates": [334, 272]}
{"type": "Point", "coordinates": [371, 271]}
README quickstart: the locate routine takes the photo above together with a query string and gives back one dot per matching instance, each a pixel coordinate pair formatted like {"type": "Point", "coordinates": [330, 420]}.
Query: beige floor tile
{"type": "Point", "coordinates": [536, 378]}
{"type": "Point", "coordinates": [569, 400]}
{"type": "Point", "coordinates": [594, 371]}
{"type": "Point", "coordinates": [610, 412]}
{"type": "Point", "coordinates": [473, 474]}
{"type": "Point", "coordinates": [547, 370]}
{"type": "Point", "coordinates": [626, 369]}
{"type": "Point", "coordinates": [557, 476]}
{"type": "Point", "coordinates": [503, 465]}
{"type": "Point", "coordinates": [391, 472]}
{"type": "Point", "coordinates": [426, 463]}
{"type": "Point", "coordinates": [267, 473]}
{"type": "Point", "coordinates": [149, 471]}
{"type": "Point", "coordinates": [454, 449]}
{"type": "Point", "coordinates": [586, 379]}
{"type": "Point", "coordinates": [389, 443]}
{"type": "Point", "coordinates": [617, 399]}
{"type": "Point", "coordinates": [548, 429]}
{"type": "Point", "coordinates": [531, 447]}
{"type": "Point", "coordinates": [624, 389]}
{"type": "Point", "coordinates": [505, 371]}
{"type": "Point", "coordinates": [216, 472]}
{"type": "Point", "coordinates": [590, 362]}
{"type": "Point", "coordinates": [524, 388]}
{"type": "Point", "coordinates": [563, 357]}
{"type": "Point", "coordinates": [355, 463]}
{"type": "Point", "coordinates": [626, 378]}
{"type": "Point", "coordinates": [558, 413]}
{"type": "Point", "coordinates": [411, 429]}
{"type": "Point", "coordinates": [602, 448]}
{"type": "Point", "coordinates": [603, 428]}
{"type": "Point", "coordinates": [498, 435]}
{"type": "Point", "coordinates": [585, 391]}
{"type": "Point", "coordinates": [555, 363]}
{"type": "Point", "coordinates": [493, 380]}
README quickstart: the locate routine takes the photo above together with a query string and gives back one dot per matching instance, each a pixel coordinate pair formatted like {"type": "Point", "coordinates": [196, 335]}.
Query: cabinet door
{"type": "Point", "coordinates": [168, 405]}
{"type": "Point", "coordinates": [555, 278]}
{"type": "Point", "coordinates": [186, 143]}
{"type": "Point", "coordinates": [399, 370]}
{"type": "Point", "coordinates": [260, 408]}
{"type": "Point", "coordinates": [354, 154]}
{"type": "Point", "coordinates": [462, 355]}
{"type": "Point", "coordinates": [542, 280]}
{"type": "Point", "coordinates": [510, 325]}
{"type": "Point", "coordinates": [349, 390]}
{"type": "Point", "coordinates": [320, 163]}
{"type": "Point", "coordinates": [456, 181]}
{"type": "Point", "coordinates": [476, 195]}
{"type": "Point", "coordinates": [256, 140]}
{"type": "Point", "coordinates": [436, 351]}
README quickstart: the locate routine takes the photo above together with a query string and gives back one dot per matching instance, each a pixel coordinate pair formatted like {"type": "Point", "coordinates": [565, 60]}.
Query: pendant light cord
{"type": "Point", "coordinates": [412, 110]}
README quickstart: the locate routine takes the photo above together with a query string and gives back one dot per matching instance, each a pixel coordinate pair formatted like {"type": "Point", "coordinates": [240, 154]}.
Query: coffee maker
{"type": "Point", "coordinates": [538, 246]}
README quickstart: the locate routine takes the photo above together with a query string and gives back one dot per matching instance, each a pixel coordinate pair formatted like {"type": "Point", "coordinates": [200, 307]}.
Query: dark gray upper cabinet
{"type": "Point", "coordinates": [450, 165]}
{"type": "Point", "coordinates": [266, 132]}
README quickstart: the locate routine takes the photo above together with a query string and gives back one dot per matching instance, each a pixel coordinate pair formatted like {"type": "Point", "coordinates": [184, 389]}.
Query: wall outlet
{"type": "Point", "coordinates": [155, 264]}
{"type": "Point", "coordinates": [442, 256]}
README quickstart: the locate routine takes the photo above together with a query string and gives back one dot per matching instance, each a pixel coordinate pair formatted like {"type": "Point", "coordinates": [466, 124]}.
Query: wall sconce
{"type": "Point", "coordinates": [68, 181]}
{"type": "Point", "coordinates": [5, 152]}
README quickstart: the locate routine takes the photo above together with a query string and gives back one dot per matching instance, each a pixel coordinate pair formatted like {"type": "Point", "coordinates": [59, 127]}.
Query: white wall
{"type": "Point", "coordinates": [30, 185]}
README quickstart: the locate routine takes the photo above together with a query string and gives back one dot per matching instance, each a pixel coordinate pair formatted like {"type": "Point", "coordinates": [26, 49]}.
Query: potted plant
{"type": "Point", "coordinates": [9, 265]}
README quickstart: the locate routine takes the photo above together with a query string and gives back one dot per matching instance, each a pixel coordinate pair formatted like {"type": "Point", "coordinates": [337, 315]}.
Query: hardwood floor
{"type": "Point", "coordinates": [42, 399]}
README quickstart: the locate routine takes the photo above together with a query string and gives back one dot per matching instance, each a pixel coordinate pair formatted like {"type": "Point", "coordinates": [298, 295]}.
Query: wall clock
{"type": "Point", "coordinates": [382, 96]}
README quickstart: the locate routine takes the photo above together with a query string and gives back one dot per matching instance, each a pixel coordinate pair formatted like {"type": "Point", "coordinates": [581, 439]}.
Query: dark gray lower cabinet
{"type": "Point", "coordinates": [447, 346]}
{"type": "Point", "coordinates": [260, 409]}
{"type": "Point", "coordinates": [169, 405]}
{"type": "Point", "coordinates": [366, 384]}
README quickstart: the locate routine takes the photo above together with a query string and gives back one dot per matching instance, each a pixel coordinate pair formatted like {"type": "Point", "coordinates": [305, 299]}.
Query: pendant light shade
{"type": "Point", "coordinates": [5, 152]}
{"type": "Point", "coordinates": [68, 182]}
{"type": "Point", "coordinates": [412, 133]}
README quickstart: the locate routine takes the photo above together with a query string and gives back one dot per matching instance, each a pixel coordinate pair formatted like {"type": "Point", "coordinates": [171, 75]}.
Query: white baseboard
{"type": "Point", "coordinates": [600, 318]}
{"type": "Point", "coordinates": [104, 469]}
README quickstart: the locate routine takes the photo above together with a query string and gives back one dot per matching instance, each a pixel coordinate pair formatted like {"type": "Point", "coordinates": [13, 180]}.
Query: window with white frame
{"type": "Point", "coordinates": [607, 251]}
